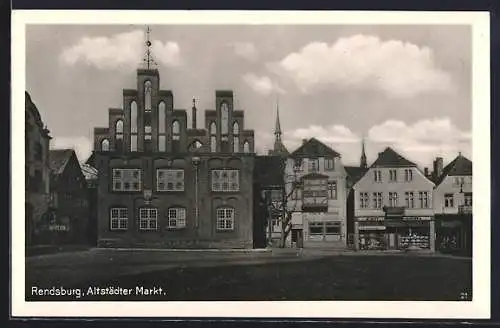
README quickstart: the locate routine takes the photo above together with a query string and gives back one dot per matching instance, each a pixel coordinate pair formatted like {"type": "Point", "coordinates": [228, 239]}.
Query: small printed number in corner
{"type": "Point", "coordinates": [465, 296]}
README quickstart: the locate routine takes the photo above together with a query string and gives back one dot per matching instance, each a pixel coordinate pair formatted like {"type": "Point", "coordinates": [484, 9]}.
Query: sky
{"type": "Point", "coordinates": [406, 87]}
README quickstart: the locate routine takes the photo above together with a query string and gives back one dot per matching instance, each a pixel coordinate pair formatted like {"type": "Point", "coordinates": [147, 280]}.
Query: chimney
{"type": "Point", "coordinates": [304, 141]}
{"type": "Point", "coordinates": [438, 166]}
{"type": "Point", "coordinates": [426, 171]}
{"type": "Point", "coordinates": [193, 114]}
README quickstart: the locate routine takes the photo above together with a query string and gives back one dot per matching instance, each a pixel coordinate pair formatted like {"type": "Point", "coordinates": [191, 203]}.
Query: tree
{"type": "Point", "coordinates": [281, 203]}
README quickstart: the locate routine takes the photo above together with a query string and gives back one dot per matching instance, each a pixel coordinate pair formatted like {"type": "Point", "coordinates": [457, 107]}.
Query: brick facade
{"type": "Point", "coordinates": [164, 141]}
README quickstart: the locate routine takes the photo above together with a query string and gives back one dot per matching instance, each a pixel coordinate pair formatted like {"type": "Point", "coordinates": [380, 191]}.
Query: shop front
{"type": "Point", "coordinates": [454, 234]}
{"type": "Point", "coordinates": [403, 233]}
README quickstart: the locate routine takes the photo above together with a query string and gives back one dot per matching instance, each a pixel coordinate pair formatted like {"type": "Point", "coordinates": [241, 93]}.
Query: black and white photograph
{"type": "Point", "coordinates": [176, 158]}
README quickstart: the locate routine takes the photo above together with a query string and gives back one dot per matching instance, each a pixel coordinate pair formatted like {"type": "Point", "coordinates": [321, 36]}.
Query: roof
{"type": "Point", "coordinates": [390, 158]}
{"type": "Point", "coordinates": [460, 166]}
{"type": "Point", "coordinates": [58, 159]}
{"type": "Point", "coordinates": [89, 172]}
{"type": "Point", "coordinates": [314, 148]}
{"type": "Point", "coordinates": [355, 173]}
{"type": "Point", "coordinates": [269, 170]}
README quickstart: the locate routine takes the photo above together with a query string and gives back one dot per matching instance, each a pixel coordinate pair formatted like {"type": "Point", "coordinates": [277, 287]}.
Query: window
{"type": "Point", "coordinates": [225, 180]}
{"type": "Point", "coordinates": [176, 130]}
{"type": "Point", "coordinates": [410, 202]}
{"type": "Point", "coordinates": [161, 117]}
{"type": "Point", "coordinates": [298, 165]}
{"type": "Point", "coordinates": [324, 228]}
{"type": "Point", "coordinates": [363, 199]}
{"type": "Point", "coordinates": [377, 176]}
{"type": "Point", "coordinates": [162, 143]}
{"type": "Point", "coordinates": [458, 181]}
{"type": "Point", "coordinates": [119, 135]}
{"type": "Point", "coordinates": [448, 200]}
{"type": "Point", "coordinates": [224, 112]}
{"type": "Point", "coordinates": [423, 197]}
{"type": "Point", "coordinates": [133, 142]}
{"type": "Point", "coordinates": [315, 228]}
{"type": "Point", "coordinates": [332, 190]}
{"type": "Point", "coordinates": [225, 219]}
{"type": "Point", "coordinates": [126, 179]}
{"type": "Point", "coordinates": [468, 199]}
{"type": "Point", "coordinates": [393, 199]}
{"type": "Point", "coordinates": [169, 180]}
{"type": "Point", "coordinates": [133, 117]}
{"type": "Point", "coordinates": [39, 151]}
{"type": "Point", "coordinates": [393, 175]}
{"type": "Point", "coordinates": [329, 164]}
{"type": "Point", "coordinates": [408, 174]}
{"type": "Point", "coordinates": [147, 96]}
{"type": "Point", "coordinates": [332, 228]}
{"type": "Point", "coordinates": [195, 145]}
{"type": "Point", "coordinates": [246, 147]}
{"type": "Point", "coordinates": [236, 137]}
{"type": "Point", "coordinates": [213, 137]}
{"type": "Point", "coordinates": [119, 218]}
{"type": "Point", "coordinates": [377, 200]}
{"type": "Point", "coordinates": [104, 145]}
{"type": "Point", "coordinates": [296, 194]}
{"type": "Point", "coordinates": [176, 218]}
{"type": "Point", "coordinates": [313, 165]}
{"type": "Point", "coordinates": [148, 219]}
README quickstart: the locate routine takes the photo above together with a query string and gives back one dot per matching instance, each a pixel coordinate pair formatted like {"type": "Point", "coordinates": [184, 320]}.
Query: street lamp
{"type": "Point", "coordinates": [196, 162]}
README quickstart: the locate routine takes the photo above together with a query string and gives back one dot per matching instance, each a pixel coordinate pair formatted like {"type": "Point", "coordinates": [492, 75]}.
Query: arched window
{"type": "Point", "coordinates": [105, 145]}
{"type": "Point", "coordinates": [119, 135]}
{"type": "Point", "coordinates": [162, 137]}
{"type": "Point", "coordinates": [176, 130]}
{"type": "Point", "coordinates": [161, 117]}
{"type": "Point", "coordinates": [133, 117]}
{"type": "Point", "coordinates": [236, 137]}
{"type": "Point", "coordinates": [133, 126]}
{"type": "Point", "coordinates": [213, 137]}
{"type": "Point", "coordinates": [147, 96]}
{"type": "Point", "coordinates": [246, 147]}
{"type": "Point", "coordinates": [224, 112]}
{"type": "Point", "coordinates": [195, 145]}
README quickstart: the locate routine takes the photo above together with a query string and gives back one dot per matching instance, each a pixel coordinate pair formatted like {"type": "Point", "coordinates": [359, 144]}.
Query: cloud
{"type": "Point", "coordinates": [246, 50]}
{"type": "Point", "coordinates": [262, 84]}
{"type": "Point", "coordinates": [82, 146]}
{"type": "Point", "coordinates": [398, 69]}
{"type": "Point", "coordinates": [420, 142]}
{"type": "Point", "coordinates": [124, 50]}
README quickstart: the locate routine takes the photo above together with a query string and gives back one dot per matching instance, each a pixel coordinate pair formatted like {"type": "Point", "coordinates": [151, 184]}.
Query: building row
{"type": "Point", "coordinates": [56, 200]}
{"type": "Point", "coordinates": [154, 179]}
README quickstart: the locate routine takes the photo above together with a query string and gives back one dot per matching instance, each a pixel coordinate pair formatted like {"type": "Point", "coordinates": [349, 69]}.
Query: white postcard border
{"type": "Point", "coordinates": [479, 308]}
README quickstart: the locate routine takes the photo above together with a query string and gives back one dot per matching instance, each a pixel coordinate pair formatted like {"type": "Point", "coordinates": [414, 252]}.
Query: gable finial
{"type": "Point", "coordinates": [148, 57]}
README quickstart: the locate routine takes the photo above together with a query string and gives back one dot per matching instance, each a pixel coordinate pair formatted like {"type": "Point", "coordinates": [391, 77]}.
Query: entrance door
{"type": "Point", "coordinates": [300, 239]}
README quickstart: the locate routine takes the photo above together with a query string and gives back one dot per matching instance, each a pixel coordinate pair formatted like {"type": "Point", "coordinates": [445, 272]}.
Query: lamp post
{"type": "Point", "coordinates": [196, 162]}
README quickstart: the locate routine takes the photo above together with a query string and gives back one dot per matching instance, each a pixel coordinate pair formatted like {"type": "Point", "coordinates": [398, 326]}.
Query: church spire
{"type": "Point", "coordinates": [363, 163]}
{"type": "Point", "coordinates": [277, 127]}
{"type": "Point", "coordinates": [148, 56]}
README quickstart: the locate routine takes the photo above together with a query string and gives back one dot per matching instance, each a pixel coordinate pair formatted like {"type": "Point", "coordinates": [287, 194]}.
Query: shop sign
{"type": "Point", "coordinates": [372, 227]}
{"type": "Point", "coordinates": [416, 218]}
{"type": "Point", "coordinates": [371, 219]}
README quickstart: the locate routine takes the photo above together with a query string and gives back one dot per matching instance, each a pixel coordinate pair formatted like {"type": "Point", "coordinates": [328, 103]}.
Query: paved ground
{"type": "Point", "coordinates": [279, 275]}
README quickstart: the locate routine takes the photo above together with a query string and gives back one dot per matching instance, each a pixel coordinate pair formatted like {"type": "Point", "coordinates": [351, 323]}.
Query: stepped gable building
{"type": "Point", "coordinates": [393, 206]}
{"type": "Point", "coordinates": [453, 205]}
{"type": "Point", "coordinates": [37, 172]}
{"type": "Point", "coordinates": [316, 179]}
{"type": "Point", "coordinates": [163, 184]}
